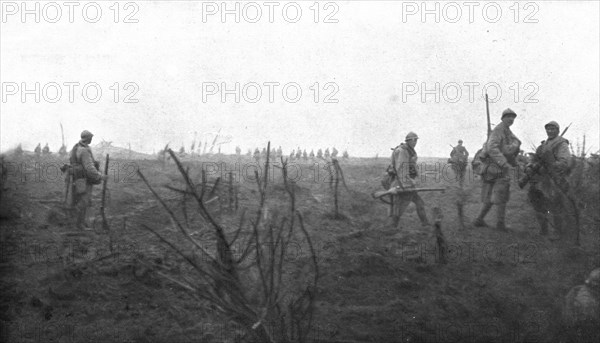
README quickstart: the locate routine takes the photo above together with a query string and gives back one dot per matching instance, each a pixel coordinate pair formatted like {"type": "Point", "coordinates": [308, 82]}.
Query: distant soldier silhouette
{"type": "Point", "coordinates": [85, 173]}
{"type": "Point", "coordinates": [304, 155]}
{"type": "Point", "coordinates": [257, 155]}
{"type": "Point", "coordinates": [46, 150]}
{"type": "Point", "coordinates": [238, 150]}
{"type": "Point", "coordinates": [459, 156]}
{"type": "Point", "coordinates": [334, 152]}
{"type": "Point", "coordinates": [263, 153]}
{"type": "Point", "coordinates": [62, 151]}
{"type": "Point", "coordinates": [292, 154]}
{"type": "Point", "coordinates": [18, 150]}
{"type": "Point", "coordinates": [298, 153]}
{"type": "Point", "coordinates": [326, 154]}
{"type": "Point", "coordinates": [345, 154]}
{"type": "Point", "coordinates": [38, 150]}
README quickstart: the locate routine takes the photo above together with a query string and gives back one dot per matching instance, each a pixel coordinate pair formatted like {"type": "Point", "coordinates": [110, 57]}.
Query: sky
{"type": "Point", "coordinates": [369, 72]}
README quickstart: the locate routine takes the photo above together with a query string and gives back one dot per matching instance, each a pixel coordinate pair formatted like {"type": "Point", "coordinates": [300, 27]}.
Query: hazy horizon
{"type": "Point", "coordinates": [357, 75]}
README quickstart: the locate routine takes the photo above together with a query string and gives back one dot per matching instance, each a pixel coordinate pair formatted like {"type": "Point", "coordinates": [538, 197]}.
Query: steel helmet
{"type": "Point", "coordinates": [411, 135]}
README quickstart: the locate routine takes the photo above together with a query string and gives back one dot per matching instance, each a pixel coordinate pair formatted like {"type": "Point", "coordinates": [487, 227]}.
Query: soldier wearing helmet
{"type": "Point", "coordinates": [85, 175]}
{"type": "Point", "coordinates": [582, 310]}
{"type": "Point", "coordinates": [404, 164]}
{"type": "Point", "coordinates": [499, 154]}
{"type": "Point", "coordinates": [546, 173]}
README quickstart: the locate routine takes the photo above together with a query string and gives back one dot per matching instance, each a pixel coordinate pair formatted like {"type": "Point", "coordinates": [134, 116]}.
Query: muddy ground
{"type": "Point", "coordinates": [377, 283]}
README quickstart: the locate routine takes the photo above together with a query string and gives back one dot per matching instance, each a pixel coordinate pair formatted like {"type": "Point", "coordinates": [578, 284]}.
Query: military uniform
{"type": "Point", "coordinates": [544, 194]}
{"type": "Point", "coordinates": [85, 174]}
{"type": "Point", "coordinates": [404, 162]}
{"type": "Point", "coordinates": [499, 153]}
{"type": "Point", "coordinates": [459, 157]}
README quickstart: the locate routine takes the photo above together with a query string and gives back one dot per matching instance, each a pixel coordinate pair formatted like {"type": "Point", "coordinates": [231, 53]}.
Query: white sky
{"type": "Point", "coordinates": [368, 54]}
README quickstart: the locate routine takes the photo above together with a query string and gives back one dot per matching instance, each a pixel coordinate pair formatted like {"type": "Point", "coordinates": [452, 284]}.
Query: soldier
{"type": "Point", "coordinates": [404, 162]}
{"type": "Point", "coordinates": [62, 151]}
{"type": "Point", "coordinates": [38, 149]}
{"type": "Point", "coordinates": [263, 153]}
{"type": "Point", "coordinates": [18, 150]}
{"type": "Point", "coordinates": [459, 156]}
{"type": "Point", "coordinates": [238, 150]}
{"type": "Point", "coordinates": [46, 150]}
{"type": "Point", "coordinates": [499, 154]}
{"type": "Point", "coordinates": [257, 155]}
{"type": "Point", "coordinates": [582, 310]}
{"type": "Point", "coordinates": [85, 175]}
{"type": "Point", "coordinates": [334, 152]}
{"type": "Point", "coordinates": [547, 172]}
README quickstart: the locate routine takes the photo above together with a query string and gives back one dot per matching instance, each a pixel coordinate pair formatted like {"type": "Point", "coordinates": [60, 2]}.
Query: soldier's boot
{"type": "Point", "coordinates": [543, 221]}
{"type": "Point", "coordinates": [479, 222]}
{"type": "Point", "coordinates": [501, 213]}
{"type": "Point", "coordinates": [81, 216]}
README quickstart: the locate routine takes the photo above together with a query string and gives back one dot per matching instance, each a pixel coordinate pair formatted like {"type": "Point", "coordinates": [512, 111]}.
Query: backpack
{"type": "Point", "coordinates": [390, 173]}
{"type": "Point", "coordinates": [388, 177]}
{"type": "Point", "coordinates": [478, 162]}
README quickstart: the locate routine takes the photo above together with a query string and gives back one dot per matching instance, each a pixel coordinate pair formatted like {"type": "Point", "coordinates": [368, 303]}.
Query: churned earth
{"type": "Point", "coordinates": [377, 283]}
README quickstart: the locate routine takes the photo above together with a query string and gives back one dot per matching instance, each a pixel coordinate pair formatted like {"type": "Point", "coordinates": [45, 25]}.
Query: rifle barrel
{"type": "Point", "coordinates": [487, 111]}
{"type": "Point", "coordinates": [103, 205]}
{"type": "Point", "coordinates": [565, 130]}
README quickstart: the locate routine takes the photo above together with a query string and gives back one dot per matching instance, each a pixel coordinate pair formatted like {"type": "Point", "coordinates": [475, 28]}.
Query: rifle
{"type": "Point", "coordinates": [62, 132]}
{"type": "Point", "coordinates": [487, 110]}
{"type": "Point", "coordinates": [103, 205]}
{"type": "Point", "coordinates": [565, 130]}
{"type": "Point", "coordinates": [398, 190]}
{"type": "Point", "coordinates": [481, 154]}
{"type": "Point", "coordinates": [68, 187]}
